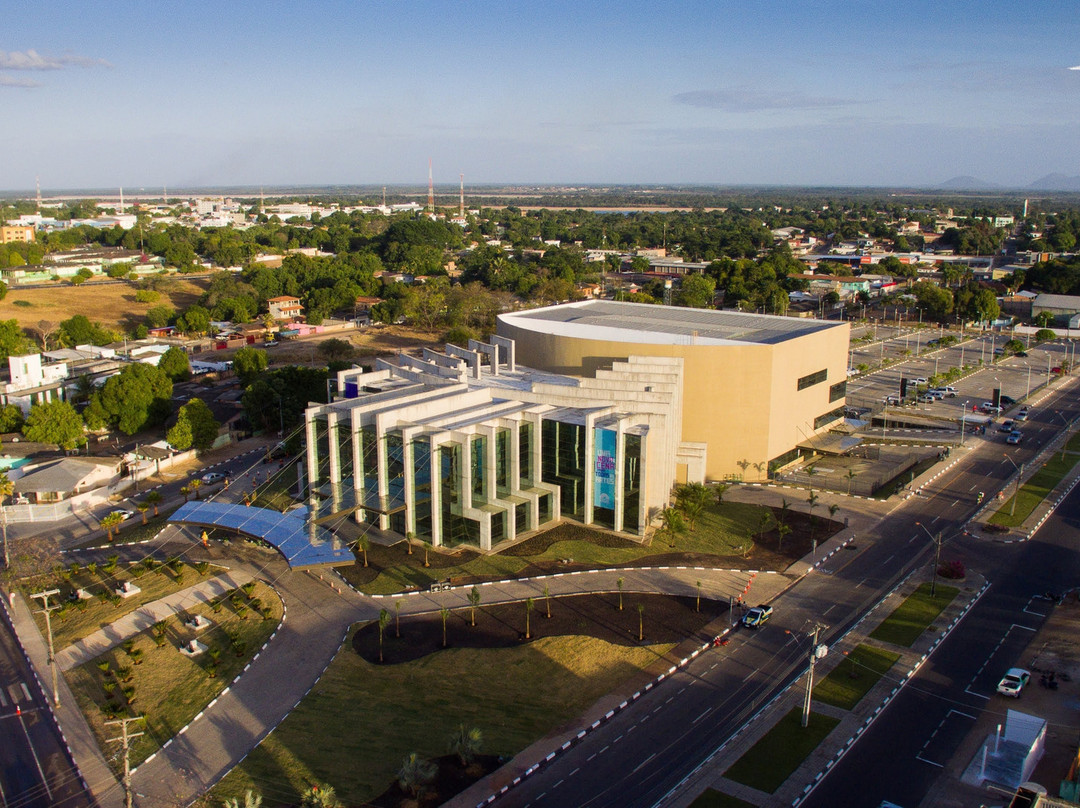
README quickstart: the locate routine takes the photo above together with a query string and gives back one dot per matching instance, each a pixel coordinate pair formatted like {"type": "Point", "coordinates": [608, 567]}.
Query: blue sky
{"type": "Point", "coordinates": [142, 94]}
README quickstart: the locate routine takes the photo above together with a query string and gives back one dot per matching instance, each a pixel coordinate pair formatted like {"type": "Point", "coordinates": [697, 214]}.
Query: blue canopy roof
{"type": "Point", "coordinates": [302, 543]}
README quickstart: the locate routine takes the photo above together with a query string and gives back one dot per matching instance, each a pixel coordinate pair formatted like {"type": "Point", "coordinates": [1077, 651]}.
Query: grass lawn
{"type": "Point", "coordinates": [914, 615]}
{"type": "Point", "coordinates": [774, 758]}
{"type": "Point", "coordinates": [729, 531]}
{"type": "Point", "coordinates": [72, 621]}
{"type": "Point", "coordinates": [133, 530]}
{"type": "Point", "coordinates": [1073, 444]}
{"type": "Point", "coordinates": [1035, 490]}
{"type": "Point", "coordinates": [718, 799]}
{"type": "Point", "coordinates": [844, 690]}
{"type": "Point", "coordinates": [360, 720]}
{"type": "Point", "coordinates": [169, 687]}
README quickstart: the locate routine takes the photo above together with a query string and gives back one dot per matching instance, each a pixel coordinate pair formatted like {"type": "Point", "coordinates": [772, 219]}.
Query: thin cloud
{"type": "Point", "coordinates": [11, 81]}
{"type": "Point", "coordinates": [756, 101]}
{"type": "Point", "coordinates": [32, 60]}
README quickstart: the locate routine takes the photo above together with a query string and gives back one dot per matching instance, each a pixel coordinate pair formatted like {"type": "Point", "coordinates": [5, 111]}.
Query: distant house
{"type": "Point", "coordinates": [1062, 307]}
{"type": "Point", "coordinates": [56, 480]}
{"type": "Point", "coordinates": [16, 233]}
{"type": "Point", "coordinates": [285, 308]}
{"type": "Point", "coordinates": [33, 382]}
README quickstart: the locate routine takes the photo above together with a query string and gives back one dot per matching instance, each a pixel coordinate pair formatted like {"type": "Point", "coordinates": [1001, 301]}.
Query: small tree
{"type": "Point", "coordinates": [251, 800]}
{"type": "Point", "coordinates": [832, 510]}
{"type": "Point", "coordinates": [697, 607]}
{"type": "Point", "coordinates": [671, 524]}
{"type": "Point", "coordinates": [474, 601]}
{"type": "Point", "coordinates": [408, 542]}
{"type": "Point", "coordinates": [528, 611]}
{"type": "Point", "coordinates": [110, 523]}
{"type": "Point", "coordinates": [362, 545]}
{"type": "Point", "coordinates": [320, 796]}
{"type": "Point", "coordinates": [142, 507]}
{"type": "Point", "coordinates": [384, 621]}
{"type": "Point", "coordinates": [851, 475]}
{"type": "Point", "coordinates": [416, 774]}
{"type": "Point", "coordinates": [720, 490]}
{"type": "Point", "coordinates": [765, 521]}
{"type": "Point", "coordinates": [547, 600]}
{"type": "Point", "coordinates": [397, 618]}
{"type": "Point", "coordinates": [444, 613]}
{"type": "Point", "coordinates": [641, 622]}
{"type": "Point", "coordinates": [466, 743]}
{"type": "Point", "coordinates": [781, 532]}
{"type": "Point", "coordinates": [153, 498]}
{"type": "Point", "coordinates": [194, 486]}
{"type": "Point", "coordinates": [619, 586]}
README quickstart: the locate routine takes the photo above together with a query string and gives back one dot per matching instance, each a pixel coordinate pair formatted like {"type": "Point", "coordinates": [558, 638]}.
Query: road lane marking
{"type": "Point", "coordinates": [955, 502]}
{"type": "Point", "coordinates": [590, 757]}
{"type": "Point", "coordinates": [701, 716]}
{"type": "Point", "coordinates": [25, 691]}
{"type": "Point", "coordinates": [646, 760]}
{"type": "Point", "coordinates": [557, 785]}
{"type": "Point", "coordinates": [575, 771]}
{"type": "Point", "coordinates": [935, 519]}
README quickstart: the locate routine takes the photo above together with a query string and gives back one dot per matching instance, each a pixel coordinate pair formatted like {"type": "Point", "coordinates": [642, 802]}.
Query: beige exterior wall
{"type": "Point", "coordinates": [740, 399]}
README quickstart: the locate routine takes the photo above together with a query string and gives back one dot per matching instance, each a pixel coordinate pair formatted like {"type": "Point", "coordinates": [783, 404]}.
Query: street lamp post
{"type": "Point", "coordinates": [46, 610]}
{"type": "Point", "coordinates": [1019, 474]}
{"type": "Point", "coordinates": [1064, 443]}
{"type": "Point", "coordinates": [963, 423]}
{"type": "Point", "coordinates": [937, 556]}
{"type": "Point", "coordinates": [816, 651]}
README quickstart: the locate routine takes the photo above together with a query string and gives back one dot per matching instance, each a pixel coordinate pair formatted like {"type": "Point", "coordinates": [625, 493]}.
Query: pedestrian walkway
{"type": "Point", "coordinates": [145, 616]}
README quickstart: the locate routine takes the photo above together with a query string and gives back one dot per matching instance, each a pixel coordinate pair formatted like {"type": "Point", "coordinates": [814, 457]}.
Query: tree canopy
{"type": "Point", "coordinates": [195, 426]}
{"type": "Point", "coordinates": [137, 398]}
{"type": "Point", "coordinates": [55, 422]}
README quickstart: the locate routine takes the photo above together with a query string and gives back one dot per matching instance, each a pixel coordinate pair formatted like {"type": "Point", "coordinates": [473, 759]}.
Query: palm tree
{"type": "Point", "coordinates": [444, 613]}
{"type": "Point", "coordinates": [7, 488]}
{"type": "Point", "coordinates": [697, 608]}
{"type": "Point", "coordinates": [785, 506]}
{"type": "Point", "coordinates": [851, 475]}
{"type": "Point", "coordinates": [111, 523]}
{"type": "Point", "coordinates": [397, 618]}
{"type": "Point", "coordinates": [142, 508]}
{"type": "Point", "coordinates": [154, 499]}
{"type": "Point", "coordinates": [692, 499]}
{"type": "Point", "coordinates": [619, 585]}
{"type": "Point", "coordinates": [474, 601]}
{"type": "Point", "coordinates": [547, 600]}
{"type": "Point", "coordinates": [362, 545]}
{"type": "Point", "coordinates": [781, 531]}
{"type": "Point", "coordinates": [671, 523]}
{"type": "Point", "coordinates": [194, 486]}
{"type": "Point", "coordinates": [528, 610]}
{"type": "Point", "coordinates": [251, 800]}
{"type": "Point", "coordinates": [416, 773]}
{"type": "Point", "coordinates": [384, 621]}
{"type": "Point", "coordinates": [641, 622]}
{"type": "Point", "coordinates": [720, 490]}
{"type": "Point", "coordinates": [466, 743]}
{"type": "Point", "coordinates": [810, 472]}
{"type": "Point", "coordinates": [185, 491]}
{"type": "Point", "coordinates": [811, 501]}
{"type": "Point", "coordinates": [320, 796]}
{"type": "Point", "coordinates": [765, 521]}
{"type": "Point", "coordinates": [832, 510]}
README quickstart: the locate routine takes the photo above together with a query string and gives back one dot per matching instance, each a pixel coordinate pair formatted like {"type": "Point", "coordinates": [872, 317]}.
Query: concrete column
{"type": "Point", "coordinates": [643, 489]}
{"type": "Point", "coordinates": [436, 495]}
{"type": "Point", "coordinates": [410, 482]}
{"type": "Point", "coordinates": [590, 465]}
{"type": "Point", "coordinates": [380, 451]}
{"type": "Point", "coordinates": [466, 473]}
{"type": "Point", "coordinates": [332, 447]}
{"type": "Point", "coordinates": [357, 464]}
{"type": "Point", "coordinates": [620, 472]}
{"type": "Point", "coordinates": [312, 451]}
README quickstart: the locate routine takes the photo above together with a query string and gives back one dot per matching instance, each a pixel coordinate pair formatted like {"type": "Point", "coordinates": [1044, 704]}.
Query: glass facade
{"type": "Point", "coordinates": [564, 464]}
{"type": "Point", "coordinates": [478, 454]}
{"type": "Point", "coordinates": [421, 467]}
{"type": "Point", "coordinates": [631, 489]}
{"type": "Point", "coordinates": [456, 528]}
{"type": "Point", "coordinates": [525, 444]}
{"type": "Point", "coordinates": [322, 451]}
{"type": "Point", "coordinates": [502, 462]}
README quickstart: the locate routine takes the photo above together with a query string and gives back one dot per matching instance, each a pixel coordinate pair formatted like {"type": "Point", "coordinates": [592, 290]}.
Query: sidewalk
{"type": "Point", "coordinates": [145, 616]}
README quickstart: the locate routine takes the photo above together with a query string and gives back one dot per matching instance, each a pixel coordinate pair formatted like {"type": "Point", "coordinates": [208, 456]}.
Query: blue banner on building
{"type": "Point", "coordinates": [604, 474]}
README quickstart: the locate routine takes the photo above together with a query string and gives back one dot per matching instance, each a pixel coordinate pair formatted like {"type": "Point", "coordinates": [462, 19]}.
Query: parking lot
{"type": "Point", "coordinates": [1014, 376]}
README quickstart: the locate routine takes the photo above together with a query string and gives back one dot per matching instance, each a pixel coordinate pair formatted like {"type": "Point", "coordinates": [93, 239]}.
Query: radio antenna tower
{"type": "Point", "coordinates": [121, 199]}
{"type": "Point", "coordinates": [37, 181]}
{"type": "Point", "coordinates": [461, 204]}
{"type": "Point", "coordinates": [430, 189]}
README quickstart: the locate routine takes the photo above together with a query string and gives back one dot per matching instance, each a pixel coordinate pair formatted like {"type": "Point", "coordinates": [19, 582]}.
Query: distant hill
{"type": "Point", "coordinates": [967, 183]}
{"type": "Point", "coordinates": [1056, 182]}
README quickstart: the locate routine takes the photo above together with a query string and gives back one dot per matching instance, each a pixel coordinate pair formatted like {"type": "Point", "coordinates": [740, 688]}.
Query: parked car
{"type": "Point", "coordinates": [1013, 682]}
{"type": "Point", "coordinates": [1006, 400]}
{"type": "Point", "coordinates": [212, 477]}
{"type": "Point", "coordinates": [1056, 370]}
{"type": "Point", "coordinates": [1006, 426]}
{"type": "Point", "coordinates": [123, 512]}
{"type": "Point", "coordinates": [1022, 415]}
{"type": "Point", "coordinates": [1020, 353]}
{"type": "Point", "coordinates": [1015, 437]}
{"type": "Point", "coordinates": [920, 380]}
{"type": "Point", "coordinates": [927, 398]}
{"type": "Point", "coordinates": [989, 409]}
{"type": "Point", "coordinates": [757, 617]}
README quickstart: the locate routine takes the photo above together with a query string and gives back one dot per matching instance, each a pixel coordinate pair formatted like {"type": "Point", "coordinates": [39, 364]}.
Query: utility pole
{"type": "Point", "coordinates": [46, 610]}
{"type": "Point", "coordinates": [816, 652]}
{"type": "Point", "coordinates": [937, 563]}
{"type": "Point", "coordinates": [126, 736]}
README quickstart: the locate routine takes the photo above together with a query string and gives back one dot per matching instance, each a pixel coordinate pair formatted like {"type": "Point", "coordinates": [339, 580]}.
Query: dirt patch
{"type": "Point", "coordinates": [112, 305]}
{"type": "Point", "coordinates": [373, 341]}
{"type": "Point", "coordinates": [664, 619]}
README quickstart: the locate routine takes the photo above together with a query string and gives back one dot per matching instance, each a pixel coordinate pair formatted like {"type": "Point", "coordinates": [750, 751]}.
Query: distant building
{"type": "Point", "coordinates": [33, 382]}
{"type": "Point", "coordinates": [285, 308]}
{"type": "Point", "coordinates": [1061, 307]}
{"type": "Point", "coordinates": [16, 233]}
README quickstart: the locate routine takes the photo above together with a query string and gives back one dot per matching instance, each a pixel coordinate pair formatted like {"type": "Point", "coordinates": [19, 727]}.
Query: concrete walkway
{"type": "Point", "coordinates": [145, 616]}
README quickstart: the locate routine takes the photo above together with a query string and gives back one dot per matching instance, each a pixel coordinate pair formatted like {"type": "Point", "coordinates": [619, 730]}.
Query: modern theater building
{"type": "Point", "coordinates": [588, 411]}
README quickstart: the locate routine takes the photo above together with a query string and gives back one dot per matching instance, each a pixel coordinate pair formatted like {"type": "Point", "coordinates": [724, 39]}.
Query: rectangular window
{"type": "Point", "coordinates": [828, 417]}
{"type": "Point", "coordinates": [813, 378]}
{"type": "Point", "coordinates": [837, 391]}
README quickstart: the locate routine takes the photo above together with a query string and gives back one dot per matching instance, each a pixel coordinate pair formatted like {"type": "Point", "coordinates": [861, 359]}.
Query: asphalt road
{"type": "Point", "coordinates": [643, 753]}
{"type": "Point", "coordinates": [35, 771]}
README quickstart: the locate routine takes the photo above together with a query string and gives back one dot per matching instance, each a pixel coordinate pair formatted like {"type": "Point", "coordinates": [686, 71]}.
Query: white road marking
{"type": "Point", "coordinates": [701, 716]}
{"type": "Point", "coordinates": [646, 760]}
{"type": "Point", "coordinates": [25, 691]}
{"type": "Point", "coordinates": [575, 771]}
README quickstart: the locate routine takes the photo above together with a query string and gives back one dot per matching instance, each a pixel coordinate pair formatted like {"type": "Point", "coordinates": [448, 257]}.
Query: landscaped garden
{"type": "Point", "coordinates": [148, 673]}
{"type": "Point", "coordinates": [1036, 489]}
{"type": "Point", "coordinates": [357, 727]}
{"type": "Point", "coordinates": [729, 534]}
{"type": "Point", "coordinates": [100, 603]}
{"type": "Point", "coordinates": [852, 679]}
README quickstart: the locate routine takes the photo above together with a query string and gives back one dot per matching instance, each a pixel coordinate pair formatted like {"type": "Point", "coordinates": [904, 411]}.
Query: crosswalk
{"type": "Point", "coordinates": [15, 695]}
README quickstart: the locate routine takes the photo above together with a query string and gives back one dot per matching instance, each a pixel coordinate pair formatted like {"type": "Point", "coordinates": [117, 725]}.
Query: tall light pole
{"type": "Point", "coordinates": [937, 556]}
{"type": "Point", "coordinates": [1019, 474]}
{"type": "Point", "coordinates": [46, 609]}
{"type": "Point", "coordinates": [963, 423]}
{"type": "Point", "coordinates": [1064, 443]}
{"type": "Point", "coordinates": [816, 653]}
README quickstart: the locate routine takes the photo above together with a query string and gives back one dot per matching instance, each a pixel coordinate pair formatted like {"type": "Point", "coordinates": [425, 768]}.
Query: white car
{"type": "Point", "coordinates": [123, 513]}
{"type": "Point", "coordinates": [1013, 682]}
